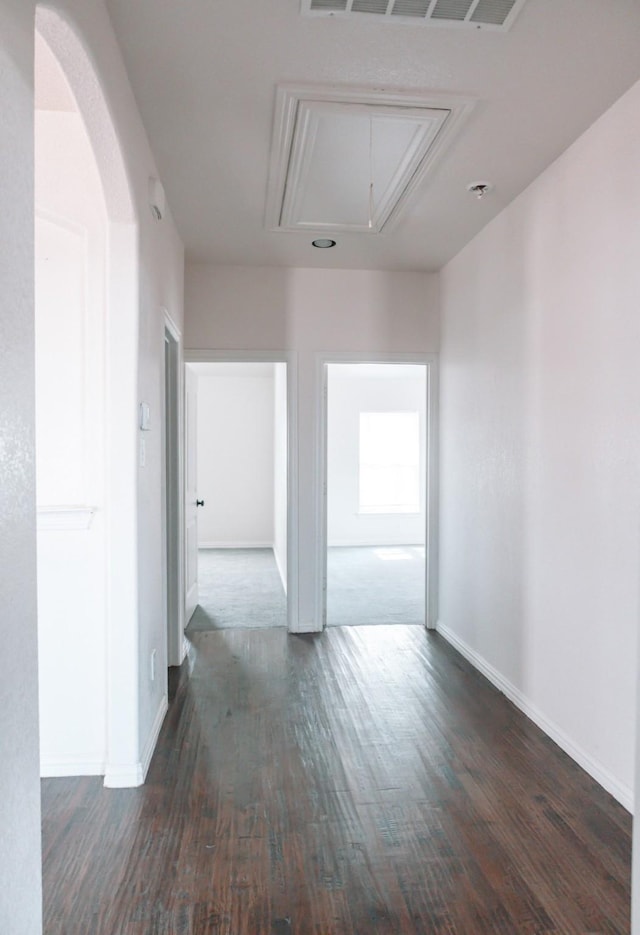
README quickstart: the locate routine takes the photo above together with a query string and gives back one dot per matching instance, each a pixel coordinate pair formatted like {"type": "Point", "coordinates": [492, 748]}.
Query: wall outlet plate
{"type": "Point", "coordinates": [145, 417]}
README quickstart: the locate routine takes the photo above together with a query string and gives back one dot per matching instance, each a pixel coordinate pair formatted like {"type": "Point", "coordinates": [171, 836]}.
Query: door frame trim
{"type": "Point", "coordinates": [290, 358]}
{"type": "Point", "coordinates": [173, 498]}
{"type": "Point", "coordinates": [430, 361]}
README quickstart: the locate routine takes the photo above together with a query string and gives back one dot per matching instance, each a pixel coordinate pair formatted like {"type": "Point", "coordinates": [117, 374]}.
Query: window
{"type": "Point", "coordinates": [389, 462]}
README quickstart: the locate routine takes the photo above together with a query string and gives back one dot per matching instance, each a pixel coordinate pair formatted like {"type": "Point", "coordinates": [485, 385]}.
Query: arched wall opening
{"type": "Point", "coordinates": [87, 359]}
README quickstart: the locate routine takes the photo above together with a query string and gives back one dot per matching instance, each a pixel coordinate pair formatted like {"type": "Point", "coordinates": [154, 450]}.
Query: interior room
{"type": "Point", "coordinates": [310, 184]}
{"type": "Point", "coordinates": [241, 467]}
{"type": "Point", "coordinates": [376, 494]}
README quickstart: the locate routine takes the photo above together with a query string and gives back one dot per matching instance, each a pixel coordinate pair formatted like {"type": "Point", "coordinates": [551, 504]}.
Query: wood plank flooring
{"type": "Point", "coordinates": [366, 780]}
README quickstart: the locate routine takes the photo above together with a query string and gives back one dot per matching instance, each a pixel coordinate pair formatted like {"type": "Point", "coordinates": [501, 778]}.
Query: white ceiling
{"type": "Point", "coordinates": [205, 73]}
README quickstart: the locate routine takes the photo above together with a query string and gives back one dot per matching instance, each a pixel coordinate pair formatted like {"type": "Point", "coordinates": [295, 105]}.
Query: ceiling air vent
{"type": "Point", "coordinates": [413, 8]}
{"type": "Point", "coordinates": [378, 7]}
{"type": "Point", "coordinates": [492, 12]}
{"type": "Point", "coordinates": [455, 10]}
{"type": "Point", "coordinates": [472, 14]}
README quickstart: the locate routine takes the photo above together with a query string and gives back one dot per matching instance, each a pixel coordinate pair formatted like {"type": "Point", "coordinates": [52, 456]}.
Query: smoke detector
{"type": "Point", "coordinates": [479, 189]}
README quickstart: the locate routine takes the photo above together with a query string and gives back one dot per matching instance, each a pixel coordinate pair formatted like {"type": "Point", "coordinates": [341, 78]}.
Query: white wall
{"type": "Point", "coordinates": [20, 860]}
{"type": "Point", "coordinates": [236, 456]}
{"type": "Point", "coordinates": [353, 389]}
{"type": "Point", "coordinates": [540, 448]}
{"type": "Point", "coordinates": [280, 469]}
{"type": "Point", "coordinates": [146, 274]}
{"type": "Point", "coordinates": [70, 247]}
{"type": "Point", "coordinates": [308, 311]}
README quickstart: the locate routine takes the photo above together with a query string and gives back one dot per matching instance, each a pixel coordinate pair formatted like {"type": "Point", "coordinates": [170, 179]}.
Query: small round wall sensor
{"type": "Point", "coordinates": [479, 189]}
{"type": "Point", "coordinates": [323, 243]}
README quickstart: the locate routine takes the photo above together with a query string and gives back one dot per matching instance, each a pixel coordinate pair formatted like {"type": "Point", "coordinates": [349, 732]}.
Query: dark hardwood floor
{"type": "Point", "coordinates": [366, 780]}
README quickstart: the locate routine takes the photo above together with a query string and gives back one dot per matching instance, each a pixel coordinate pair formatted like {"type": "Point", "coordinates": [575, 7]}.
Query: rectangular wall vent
{"type": "Point", "coordinates": [472, 14]}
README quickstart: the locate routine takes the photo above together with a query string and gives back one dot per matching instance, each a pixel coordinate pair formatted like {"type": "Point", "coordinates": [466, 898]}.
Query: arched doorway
{"type": "Point", "coordinates": [87, 337]}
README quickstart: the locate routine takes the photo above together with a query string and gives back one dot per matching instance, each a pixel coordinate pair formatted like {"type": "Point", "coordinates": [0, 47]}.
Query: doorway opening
{"type": "Point", "coordinates": [378, 515]}
{"type": "Point", "coordinates": [237, 503]}
{"type": "Point", "coordinates": [86, 347]}
{"type": "Point", "coordinates": [70, 250]}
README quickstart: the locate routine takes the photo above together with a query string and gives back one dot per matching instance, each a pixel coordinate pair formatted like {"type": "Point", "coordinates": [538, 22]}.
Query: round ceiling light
{"type": "Point", "coordinates": [323, 243]}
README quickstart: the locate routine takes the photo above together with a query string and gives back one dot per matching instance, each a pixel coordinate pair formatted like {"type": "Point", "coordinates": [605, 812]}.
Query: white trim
{"type": "Point", "coordinates": [170, 325]}
{"type": "Point", "coordinates": [64, 518]}
{"type": "Point", "coordinates": [290, 358]}
{"type": "Point", "coordinates": [175, 628]}
{"type": "Point", "coordinates": [618, 790]}
{"type": "Point", "coordinates": [123, 776]}
{"type": "Point", "coordinates": [152, 739]}
{"type": "Point", "coordinates": [128, 775]}
{"type": "Point", "coordinates": [235, 545]}
{"type": "Point", "coordinates": [430, 362]}
{"type": "Point", "coordinates": [428, 124]}
{"type": "Point", "coordinates": [322, 424]}
{"type": "Point", "coordinates": [288, 99]}
{"type": "Point", "coordinates": [56, 767]}
{"type": "Point", "coordinates": [432, 539]}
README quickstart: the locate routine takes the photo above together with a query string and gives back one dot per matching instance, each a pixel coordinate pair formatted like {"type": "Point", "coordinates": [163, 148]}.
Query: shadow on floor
{"type": "Point", "coordinates": [238, 588]}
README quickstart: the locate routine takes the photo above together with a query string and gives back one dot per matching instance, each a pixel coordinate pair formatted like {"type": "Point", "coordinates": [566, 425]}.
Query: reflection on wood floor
{"type": "Point", "coordinates": [365, 780]}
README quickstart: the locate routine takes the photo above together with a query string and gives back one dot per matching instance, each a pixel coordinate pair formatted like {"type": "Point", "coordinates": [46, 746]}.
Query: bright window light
{"type": "Point", "coordinates": [389, 462]}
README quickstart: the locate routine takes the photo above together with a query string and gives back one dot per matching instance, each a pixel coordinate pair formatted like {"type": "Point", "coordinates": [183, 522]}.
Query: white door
{"type": "Point", "coordinates": [191, 494]}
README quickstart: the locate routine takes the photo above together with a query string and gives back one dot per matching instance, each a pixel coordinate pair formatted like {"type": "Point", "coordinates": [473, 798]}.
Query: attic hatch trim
{"type": "Point", "coordinates": [493, 15]}
{"type": "Point", "coordinates": [284, 160]}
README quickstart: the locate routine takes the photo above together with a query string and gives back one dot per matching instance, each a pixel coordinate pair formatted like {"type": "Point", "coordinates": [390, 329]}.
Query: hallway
{"type": "Point", "coordinates": [364, 780]}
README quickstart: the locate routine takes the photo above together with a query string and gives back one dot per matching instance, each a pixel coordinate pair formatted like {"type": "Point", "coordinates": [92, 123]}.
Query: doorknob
{"type": "Point", "coordinates": [199, 502]}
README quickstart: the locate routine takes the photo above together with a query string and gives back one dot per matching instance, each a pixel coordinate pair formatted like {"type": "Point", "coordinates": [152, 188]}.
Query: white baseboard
{"type": "Point", "coordinates": [123, 776]}
{"type": "Point", "coordinates": [56, 767]}
{"type": "Point", "coordinates": [618, 790]}
{"type": "Point", "coordinates": [152, 740]}
{"type": "Point", "coordinates": [130, 775]}
{"type": "Point", "coordinates": [235, 545]}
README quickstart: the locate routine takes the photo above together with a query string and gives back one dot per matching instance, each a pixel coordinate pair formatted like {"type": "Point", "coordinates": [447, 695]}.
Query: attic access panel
{"type": "Point", "coordinates": [472, 14]}
{"type": "Point", "coordinates": [344, 161]}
